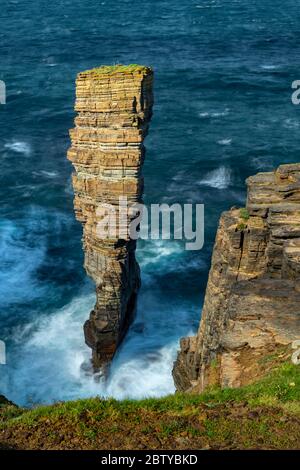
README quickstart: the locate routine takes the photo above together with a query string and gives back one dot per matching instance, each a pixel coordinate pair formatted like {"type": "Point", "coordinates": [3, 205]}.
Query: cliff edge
{"type": "Point", "coordinates": [252, 300]}
{"type": "Point", "coordinates": [268, 414]}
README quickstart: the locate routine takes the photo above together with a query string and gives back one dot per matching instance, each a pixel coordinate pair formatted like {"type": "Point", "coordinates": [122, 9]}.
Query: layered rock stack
{"type": "Point", "coordinates": [114, 106]}
{"type": "Point", "coordinates": [252, 301]}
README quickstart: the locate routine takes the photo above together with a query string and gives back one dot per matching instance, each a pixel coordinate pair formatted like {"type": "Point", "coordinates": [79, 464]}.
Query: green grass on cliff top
{"type": "Point", "coordinates": [118, 68]}
{"type": "Point", "coordinates": [262, 415]}
{"type": "Point", "coordinates": [280, 388]}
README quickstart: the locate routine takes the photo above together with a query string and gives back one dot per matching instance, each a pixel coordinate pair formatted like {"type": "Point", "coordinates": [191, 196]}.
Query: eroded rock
{"type": "Point", "coordinates": [252, 300]}
{"type": "Point", "coordinates": [114, 106]}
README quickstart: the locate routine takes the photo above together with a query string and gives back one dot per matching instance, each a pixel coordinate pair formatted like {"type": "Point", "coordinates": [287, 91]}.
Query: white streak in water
{"type": "Point", "coordinates": [213, 114]}
{"type": "Point", "coordinates": [18, 264]}
{"type": "Point", "coordinates": [19, 147]}
{"type": "Point", "coordinates": [219, 178]}
{"type": "Point", "coordinates": [225, 141]}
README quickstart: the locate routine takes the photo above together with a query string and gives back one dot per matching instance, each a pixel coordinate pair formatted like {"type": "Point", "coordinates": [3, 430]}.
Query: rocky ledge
{"type": "Point", "coordinates": [114, 106]}
{"type": "Point", "coordinates": [252, 300]}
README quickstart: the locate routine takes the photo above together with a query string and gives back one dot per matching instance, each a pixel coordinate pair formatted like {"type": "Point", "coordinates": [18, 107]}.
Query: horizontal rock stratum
{"type": "Point", "coordinates": [252, 301]}
{"type": "Point", "coordinates": [114, 106]}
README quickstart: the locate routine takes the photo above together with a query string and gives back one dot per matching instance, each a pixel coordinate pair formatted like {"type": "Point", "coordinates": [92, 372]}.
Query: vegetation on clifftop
{"type": "Point", "coordinates": [261, 415]}
{"type": "Point", "coordinates": [244, 214]}
{"type": "Point", "coordinates": [118, 68]}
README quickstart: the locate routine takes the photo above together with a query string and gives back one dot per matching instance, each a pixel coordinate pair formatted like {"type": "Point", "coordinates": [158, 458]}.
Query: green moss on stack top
{"type": "Point", "coordinates": [118, 68]}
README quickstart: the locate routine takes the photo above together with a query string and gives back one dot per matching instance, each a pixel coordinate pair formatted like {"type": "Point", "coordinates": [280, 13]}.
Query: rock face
{"type": "Point", "coordinates": [252, 301]}
{"type": "Point", "coordinates": [114, 106]}
{"type": "Point", "coordinates": [4, 401]}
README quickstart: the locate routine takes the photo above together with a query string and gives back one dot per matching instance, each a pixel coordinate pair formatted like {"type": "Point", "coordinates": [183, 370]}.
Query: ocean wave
{"type": "Point", "coordinates": [155, 251]}
{"type": "Point", "coordinates": [20, 259]}
{"type": "Point", "coordinates": [48, 174]}
{"type": "Point", "coordinates": [161, 258]}
{"type": "Point", "coordinates": [219, 178]}
{"type": "Point", "coordinates": [269, 67]}
{"type": "Point", "coordinates": [24, 244]}
{"type": "Point", "coordinates": [291, 123]}
{"type": "Point", "coordinates": [225, 141]}
{"type": "Point", "coordinates": [19, 147]}
{"type": "Point", "coordinates": [211, 4]}
{"type": "Point", "coordinates": [48, 356]}
{"type": "Point", "coordinates": [214, 114]}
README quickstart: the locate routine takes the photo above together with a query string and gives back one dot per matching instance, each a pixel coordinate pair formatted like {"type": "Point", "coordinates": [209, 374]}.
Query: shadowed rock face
{"type": "Point", "coordinates": [252, 301]}
{"type": "Point", "coordinates": [114, 106]}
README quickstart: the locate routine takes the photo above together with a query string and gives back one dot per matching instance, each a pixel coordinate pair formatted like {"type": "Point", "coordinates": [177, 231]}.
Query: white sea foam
{"type": "Point", "coordinates": [46, 355]}
{"type": "Point", "coordinates": [50, 352]}
{"type": "Point", "coordinates": [48, 174]}
{"type": "Point", "coordinates": [211, 4]}
{"type": "Point", "coordinates": [19, 147]}
{"type": "Point", "coordinates": [169, 255]}
{"type": "Point", "coordinates": [48, 363]}
{"type": "Point", "coordinates": [23, 247]}
{"type": "Point", "coordinates": [225, 141]}
{"type": "Point", "coordinates": [291, 123]}
{"type": "Point", "coordinates": [219, 178]}
{"type": "Point", "coordinates": [214, 114]}
{"type": "Point", "coordinates": [156, 250]}
{"type": "Point", "coordinates": [19, 262]}
{"type": "Point", "coordinates": [269, 67]}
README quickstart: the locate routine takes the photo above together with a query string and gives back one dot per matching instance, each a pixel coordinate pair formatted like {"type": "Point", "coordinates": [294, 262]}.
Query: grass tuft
{"type": "Point", "coordinates": [244, 214]}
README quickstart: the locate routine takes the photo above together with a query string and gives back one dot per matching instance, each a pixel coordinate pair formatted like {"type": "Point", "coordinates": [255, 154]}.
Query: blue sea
{"type": "Point", "coordinates": [223, 111]}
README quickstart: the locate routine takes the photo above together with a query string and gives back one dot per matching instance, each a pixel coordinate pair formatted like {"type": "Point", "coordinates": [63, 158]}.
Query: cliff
{"type": "Point", "coordinates": [114, 106]}
{"type": "Point", "coordinates": [252, 301]}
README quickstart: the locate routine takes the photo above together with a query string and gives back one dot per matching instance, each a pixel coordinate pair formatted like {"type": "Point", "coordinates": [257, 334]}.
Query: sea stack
{"type": "Point", "coordinates": [251, 311]}
{"type": "Point", "coordinates": [114, 106]}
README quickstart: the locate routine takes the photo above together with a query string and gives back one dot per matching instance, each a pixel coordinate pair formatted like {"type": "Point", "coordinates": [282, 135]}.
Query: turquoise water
{"type": "Point", "coordinates": [223, 111]}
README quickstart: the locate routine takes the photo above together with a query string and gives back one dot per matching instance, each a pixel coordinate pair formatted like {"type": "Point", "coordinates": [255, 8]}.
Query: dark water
{"type": "Point", "coordinates": [223, 111]}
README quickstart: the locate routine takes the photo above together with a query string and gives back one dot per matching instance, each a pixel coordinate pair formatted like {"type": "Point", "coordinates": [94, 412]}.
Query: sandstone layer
{"type": "Point", "coordinates": [114, 106]}
{"type": "Point", "coordinates": [252, 300]}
